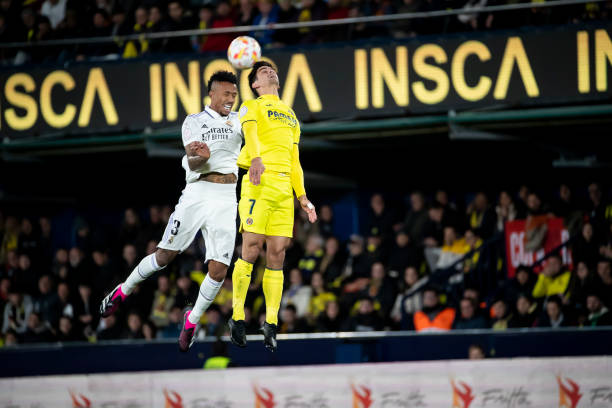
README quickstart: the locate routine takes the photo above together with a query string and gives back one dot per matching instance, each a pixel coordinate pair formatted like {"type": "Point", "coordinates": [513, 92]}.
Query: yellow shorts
{"type": "Point", "coordinates": [267, 209]}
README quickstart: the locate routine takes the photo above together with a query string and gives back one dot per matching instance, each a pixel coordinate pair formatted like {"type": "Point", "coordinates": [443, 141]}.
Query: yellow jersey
{"type": "Point", "coordinates": [278, 130]}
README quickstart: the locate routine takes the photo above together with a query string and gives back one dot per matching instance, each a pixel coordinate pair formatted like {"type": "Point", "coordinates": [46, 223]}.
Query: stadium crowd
{"type": "Point", "coordinates": [34, 21]}
{"type": "Point", "coordinates": [382, 279]}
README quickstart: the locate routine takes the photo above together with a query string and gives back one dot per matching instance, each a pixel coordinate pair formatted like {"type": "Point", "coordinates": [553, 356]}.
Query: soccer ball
{"type": "Point", "coordinates": [243, 52]}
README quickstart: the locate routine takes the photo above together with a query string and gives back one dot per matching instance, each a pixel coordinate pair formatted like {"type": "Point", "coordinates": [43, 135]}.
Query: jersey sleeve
{"type": "Point", "coordinates": [297, 132]}
{"type": "Point", "coordinates": [248, 120]}
{"type": "Point", "coordinates": [190, 132]}
{"type": "Point", "coordinates": [248, 111]}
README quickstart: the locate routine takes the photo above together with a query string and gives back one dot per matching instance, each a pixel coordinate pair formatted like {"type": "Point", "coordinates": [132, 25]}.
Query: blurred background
{"type": "Point", "coordinates": [458, 159]}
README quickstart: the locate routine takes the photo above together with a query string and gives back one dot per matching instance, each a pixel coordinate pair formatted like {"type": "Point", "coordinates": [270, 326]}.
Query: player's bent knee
{"type": "Point", "coordinates": [217, 270]}
{"type": "Point", "coordinates": [164, 256]}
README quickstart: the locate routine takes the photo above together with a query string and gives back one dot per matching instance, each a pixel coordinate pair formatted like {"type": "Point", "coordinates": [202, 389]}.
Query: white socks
{"type": "Point", "coordinates": [147, 267]}
{"type": "Point", "coordinates": [208, 291]}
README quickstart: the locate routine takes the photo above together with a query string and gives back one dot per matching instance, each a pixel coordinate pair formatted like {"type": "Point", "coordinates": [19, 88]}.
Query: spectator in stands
{"type": "Point", "coordinates": [312, 256]}
{"type": "Point", "coordinates": [187, 290]}
{"type": "Point", "coordinates": [404, 253]}
{"type": "Point", "coordinates": [524, 315]}
{"type": "Point", "coordinates": [246, 13]}
{"type": "Point", "coordinates": [417, 218]}
{"type": "Point", "coordinates": [26, 277]}
{"type": "Point", "coordinates": [406, 28]}
{"type": "Point", "coordinates": [134, 327]}
{"type": "Point", "coordinates": [433, 316]}
{"type": "Point", "coordinates": [553, 316]}
{"type": "Point", "coordinates": [130, 257]}
{"type": "Point", "coordinates": [11, 270]}
{"type": "Point", "coordinates": [28, 241]}
{"type": "Point", "coordinates": [476, 352]}
{"type": "Point", "coordinates": [410, 299]}
{"type": "Point", "coordinates": [10, 237]}
{"type": "Point", "coordinates": [103, 274]}
{"type": "Point", "coordinates": [453, 249]}
{"type": "Point", "coordinates": [297, 294]}
{"type": "Point", "coordinates": [135, 48]}
{"type": "Point", "coordinates": [101, 27]}
{"type": "Point", "coordinates": [366, 319]}
{"type": "Point", "coordinates": [155, 24]}
{"type": "Point", "coordinates": [311, 10]}
{"type": "Point", "coordinates": [78, 269]}
{"type": "Point", "coordinates": [604, 281]}
{"type": "Point", "coordinates": [215, 325]}
{"type": "Point", "coordinates": [66, 331]}
{"type": "Point", "coordinates": [581, 284]}
{"type": "Point", "coordinates": [433, 231]}
{"type": "Point", "coordinates": [586, 248]}
{"type": "Point", "coordinates": [287, 13]}
{"type": "Point", "coordinates": [380, 289]}
{"type": "Point", "coordinates": [553, 280]}
{"type": "Point", "coordinates": [162, 302]}
{"type": "Point", "coordinates": [480, 217]}
{"type": "Point", "coordinates": [468, 319]}
{"type": "Point", "coordinates": [61, 304]}
{"type": "Point", "coordinates": [326, 221]}
{"type": "Point", "coordinates": [381, 219]}
{"type": "Point", "coordinates": [500, 315]}
{"type": "Point", "coordinates": [175, 319]}
{"type": "Point", "coordinates": [522, 283]}
{"type": "Point", "coordinates": [565, 207]}
{"type": "Point", "coordinates": [319, 297]}
{"type": "Point", "coordinates": [86, 310]}
{"type": "Point", "coordinates": [149, 331]}
{"type": "Point", "coordinates": [177, 21]}
{"type": "Point", "coordinates": [599, 315]}
{"type": "Point", "coordinates": [223, 18]}
{"type": "Point", "coordinates": [505, 211]}
{"type": "Point", "coordinates": [108, 329]}
{"type": "Point", "coordinates": [130, 229]}
{"type": "Point", "coordinates": [332, 262]}
{"type": "Point", "coordinates": [290, 323]}
{"type": "Point", "coordinates": [268, 14]}
{"type": "Point", "coordinates": [5, 289]}
{"type": "Point", "coordinates": [37, 331]}
{"type": "Point", "coordinates": [330, 320]}
{"type": "Point", "coordinates": [358, 263]}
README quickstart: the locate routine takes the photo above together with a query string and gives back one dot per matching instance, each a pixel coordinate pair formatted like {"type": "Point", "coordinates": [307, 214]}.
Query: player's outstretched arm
{"type": "Point", "coordinates": [297, 182]}
{"type": "Point", "coordinates": [198, 154]}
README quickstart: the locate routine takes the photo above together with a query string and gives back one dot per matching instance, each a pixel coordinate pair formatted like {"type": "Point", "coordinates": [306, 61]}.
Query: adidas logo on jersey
{"type": "Point", "coordinates": [204, 126]}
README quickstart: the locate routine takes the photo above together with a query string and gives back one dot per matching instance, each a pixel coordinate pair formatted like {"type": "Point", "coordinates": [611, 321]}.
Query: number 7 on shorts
{"type": "Point", "coordinates": [252, 205]}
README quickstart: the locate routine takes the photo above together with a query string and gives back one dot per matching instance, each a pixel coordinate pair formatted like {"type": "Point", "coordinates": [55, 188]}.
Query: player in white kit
{"type": "Point", "coordinates": [212, 140]}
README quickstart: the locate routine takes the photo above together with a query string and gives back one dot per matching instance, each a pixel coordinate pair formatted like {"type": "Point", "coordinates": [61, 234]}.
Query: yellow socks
{"type": "Point", "coordinates": [273, 292]}
{"type": "Point", "coordinates": [241, 279]}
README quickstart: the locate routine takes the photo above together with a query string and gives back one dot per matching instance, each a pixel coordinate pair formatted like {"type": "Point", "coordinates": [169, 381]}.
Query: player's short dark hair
{"type": "Point", "coordinates": [222, 76]}
{"type": "Point", "coordinates": [253, 73]}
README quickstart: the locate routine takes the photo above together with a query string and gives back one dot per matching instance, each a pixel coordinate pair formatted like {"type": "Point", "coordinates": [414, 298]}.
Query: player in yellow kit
{"type": "Point", "coordinates": [272, 133]}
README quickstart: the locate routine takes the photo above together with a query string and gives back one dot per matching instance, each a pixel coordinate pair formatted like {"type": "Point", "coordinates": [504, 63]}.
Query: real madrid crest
{"type": "Point", "coordinates": [228, 123]}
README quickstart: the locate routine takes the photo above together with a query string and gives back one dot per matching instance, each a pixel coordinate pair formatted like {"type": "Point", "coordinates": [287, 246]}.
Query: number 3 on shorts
{"type": "Point", "coordinates": [174, 230]}
{"type": "Point", "coordinates": [252, 205]}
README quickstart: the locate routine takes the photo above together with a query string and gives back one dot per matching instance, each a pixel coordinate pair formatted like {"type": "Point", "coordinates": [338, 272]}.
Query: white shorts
{"type": "Point", "coordinates": [210, 207]}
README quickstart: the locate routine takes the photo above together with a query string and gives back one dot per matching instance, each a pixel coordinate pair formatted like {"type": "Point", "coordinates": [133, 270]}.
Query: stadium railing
{"type": "Point", "coordinates": [303, 349]}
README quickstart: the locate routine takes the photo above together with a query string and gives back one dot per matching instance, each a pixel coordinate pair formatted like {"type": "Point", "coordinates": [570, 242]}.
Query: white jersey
{"type": "Point", "coordinates": [222, 135]}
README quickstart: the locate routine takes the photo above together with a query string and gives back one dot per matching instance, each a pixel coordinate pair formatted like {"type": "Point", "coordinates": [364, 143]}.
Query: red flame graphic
{"type": "Point", "coordinates": [465, 396]}
{"type": "Point", "coordinates": [568, 396]}
{"type": "Point", "coordinates": [361, 399]}
{"type": "Point", "coordinates": [79, 401]}
{"type": "Point", "coordinates": [264, 398]}
{"type": "Point", "coordinates": [173, 399]}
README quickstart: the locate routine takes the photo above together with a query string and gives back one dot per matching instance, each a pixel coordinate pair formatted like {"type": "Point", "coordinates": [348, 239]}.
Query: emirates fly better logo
{"type": "Point", "coordinates": [173, 399]}
{"type": "Point", "coordinates": [361, 396]}
{"type": "Point", "coordinates": [79, 400]}
{"type": "Point", "coordinates": [569, 392]}
{"type": "Point", "coordinates": [264, 398]}
{"type": "Point", "coordinates": [462, 394]}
